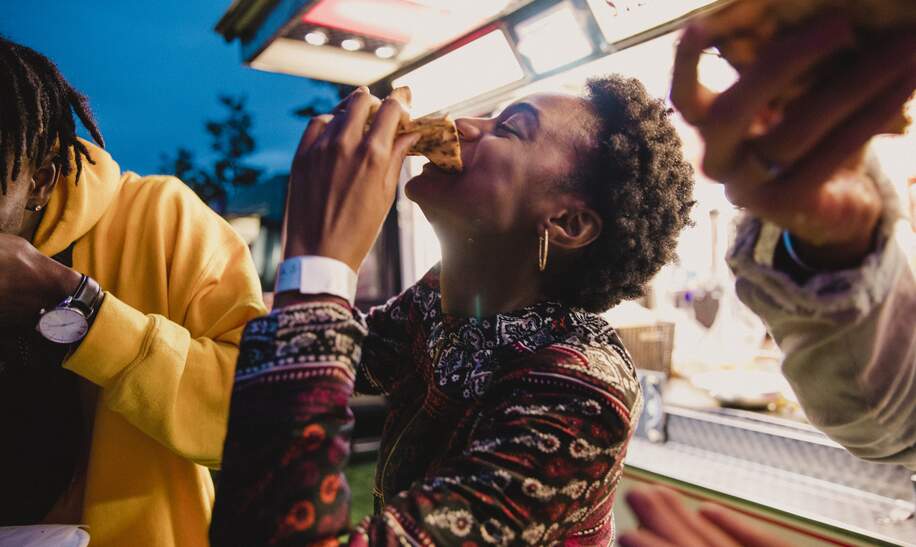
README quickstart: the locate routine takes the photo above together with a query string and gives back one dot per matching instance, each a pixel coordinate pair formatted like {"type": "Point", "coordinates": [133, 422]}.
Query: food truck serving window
{"type": "Point", "coordinates": [720, 418]}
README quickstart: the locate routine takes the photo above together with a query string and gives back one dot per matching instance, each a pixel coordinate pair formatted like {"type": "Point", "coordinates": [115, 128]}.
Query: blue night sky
{"type": "Point", "coordinates": [153, 70]}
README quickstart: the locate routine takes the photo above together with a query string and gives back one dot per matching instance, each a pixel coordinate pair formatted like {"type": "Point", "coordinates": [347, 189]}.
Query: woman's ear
{"type": "Point", "coordinates": [44, 180]}
{"type": "Point", "coordinates": [575, 228]}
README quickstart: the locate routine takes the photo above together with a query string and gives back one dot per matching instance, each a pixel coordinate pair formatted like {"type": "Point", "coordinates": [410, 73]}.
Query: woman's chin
{"type": "Point", "coordinates": [410, 188]}
{"type": "Point", "coordinates": [431, 183]}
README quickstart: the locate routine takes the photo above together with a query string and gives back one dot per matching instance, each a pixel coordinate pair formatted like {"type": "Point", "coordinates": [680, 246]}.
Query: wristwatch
{"type": "Point", "coordinates": [69, 321]}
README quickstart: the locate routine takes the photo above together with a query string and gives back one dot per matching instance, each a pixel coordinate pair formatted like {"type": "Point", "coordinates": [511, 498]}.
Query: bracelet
{"type": "Point", "coordinates": [790, 250]}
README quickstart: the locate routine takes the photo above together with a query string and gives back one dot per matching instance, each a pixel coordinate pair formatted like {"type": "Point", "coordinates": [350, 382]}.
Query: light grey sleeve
{"type": "Point", "coordinates": [849, 337]}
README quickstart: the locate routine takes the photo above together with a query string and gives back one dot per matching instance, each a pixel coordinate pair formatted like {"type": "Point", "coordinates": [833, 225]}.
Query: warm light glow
{"type": "Point", "coordinates": [316, 38]}
{"type": "Point", "coordinates": [352, 44]}
{"type": "Point", "coordinates": [552, 39]}
{"type": "Point", "coordinates": [386, 19]}
{"type": "Point", "coordinates": [895, 154]}
{"type": "Point", "coordinates": [481, 66]}
{"type": "Point", "coordinates": [420, 248]}
{"type": "Point", "coordinates": [414, 26]}
{"type": "Point", "coordinates": [624, 18]}
{"type": "Point", "coordinates": [385, 52]}
{"type": "Point", "coordinates": [493, 6]}
{"type": "Point", "coordinates": [297, 57]}
{"type": "Point", "coordinates": [715, 72]}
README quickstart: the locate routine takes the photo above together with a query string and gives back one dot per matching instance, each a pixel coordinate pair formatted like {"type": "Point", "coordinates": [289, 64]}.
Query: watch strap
{"type": "Point", "coordinates": [316, 275]}
{"type": "Point", "coordinates": [87, 296]}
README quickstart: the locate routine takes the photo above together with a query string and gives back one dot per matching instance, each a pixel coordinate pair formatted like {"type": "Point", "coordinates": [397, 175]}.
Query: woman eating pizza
{"type": "Point", "coordinates": [511, 400]}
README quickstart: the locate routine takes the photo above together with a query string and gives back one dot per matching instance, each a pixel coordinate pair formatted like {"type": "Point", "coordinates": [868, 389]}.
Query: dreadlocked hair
{"type": "Point", "coordinates": [36, 115]}
{"type": "Point", "coordinates": [636, 178]}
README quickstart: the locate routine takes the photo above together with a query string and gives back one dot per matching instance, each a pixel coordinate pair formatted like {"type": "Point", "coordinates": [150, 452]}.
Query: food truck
{"type": "Point", "coordinates": [720, 423]}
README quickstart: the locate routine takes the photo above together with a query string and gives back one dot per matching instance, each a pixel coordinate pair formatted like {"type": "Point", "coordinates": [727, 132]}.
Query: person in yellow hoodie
{"type": "Point", "coordinates": [122, 300]}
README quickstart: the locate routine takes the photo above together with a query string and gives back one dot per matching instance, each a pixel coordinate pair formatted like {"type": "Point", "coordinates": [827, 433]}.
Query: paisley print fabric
{"type": "Point", "coordinates": [502, 430]}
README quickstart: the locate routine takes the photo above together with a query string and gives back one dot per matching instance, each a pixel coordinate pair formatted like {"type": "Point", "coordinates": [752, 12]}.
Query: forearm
{"type": "Point", "coordinates": [170, 385]}
{"type": "Point", "coordinates": [857, 380]}
{"type": "Point", "coordinates": [289, 429]}
{"type": "Point", "coordinates": [849, 344]}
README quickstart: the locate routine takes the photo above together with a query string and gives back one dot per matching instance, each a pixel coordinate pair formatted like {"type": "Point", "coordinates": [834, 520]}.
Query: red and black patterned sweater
{"type": "Point", "coordinates": [503, 430]}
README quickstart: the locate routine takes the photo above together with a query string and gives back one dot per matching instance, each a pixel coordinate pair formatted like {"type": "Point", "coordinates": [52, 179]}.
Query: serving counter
{"type": "Point", "coordinates": [788, 476]}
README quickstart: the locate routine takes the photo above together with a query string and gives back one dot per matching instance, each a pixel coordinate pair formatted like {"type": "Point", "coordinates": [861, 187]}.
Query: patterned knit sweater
{"type": "Point", "coordinates": [503, 430]}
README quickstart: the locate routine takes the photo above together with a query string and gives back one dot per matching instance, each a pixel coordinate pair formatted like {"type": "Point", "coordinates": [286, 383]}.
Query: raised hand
{"type": "Point", "coordinates": [800, 168]}
{"type": "Point", "coordinates": [344, 178]}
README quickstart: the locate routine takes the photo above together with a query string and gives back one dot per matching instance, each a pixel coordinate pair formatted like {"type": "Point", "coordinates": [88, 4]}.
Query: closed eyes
{"type": "Point", "coordinates": [505, 127]}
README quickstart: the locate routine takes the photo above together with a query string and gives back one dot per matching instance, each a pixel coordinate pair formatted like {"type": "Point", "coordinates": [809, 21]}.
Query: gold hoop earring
{"type": "Point", "coordinates": [543, 247]}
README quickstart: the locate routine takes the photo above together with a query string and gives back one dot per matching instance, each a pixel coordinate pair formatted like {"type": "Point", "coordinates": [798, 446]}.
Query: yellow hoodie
{"type": "Point", "coordinates": [180, 286]}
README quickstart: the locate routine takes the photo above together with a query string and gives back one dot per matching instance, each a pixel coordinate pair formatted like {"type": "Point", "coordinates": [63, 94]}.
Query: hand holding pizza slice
{"type": "Point", "coordinates": [438, 136]}
{"type": "Point", "coordinates": [344, 176]}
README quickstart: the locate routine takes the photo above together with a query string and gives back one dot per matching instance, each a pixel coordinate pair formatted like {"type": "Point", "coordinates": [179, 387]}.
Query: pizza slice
{"type": "Point", "coordinates": [438, 136]}
{"type": "Point", "coordinates": [438, 141]}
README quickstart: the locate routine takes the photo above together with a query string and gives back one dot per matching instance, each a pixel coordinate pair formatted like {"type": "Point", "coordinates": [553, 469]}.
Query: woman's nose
{"type": "Point", "coordinates": [469, 129]}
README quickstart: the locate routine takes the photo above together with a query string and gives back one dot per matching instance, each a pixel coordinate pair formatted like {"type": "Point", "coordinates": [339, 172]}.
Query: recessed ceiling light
{"type": "Point", "coordinates": [385, 52]}
{"type": "Point", "coordinates": [316, 38]}
{"type": "Point", "coordinates": [352, 44]}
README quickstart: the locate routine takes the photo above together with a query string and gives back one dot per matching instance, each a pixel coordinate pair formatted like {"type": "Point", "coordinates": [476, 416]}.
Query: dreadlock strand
{"type": "Point", "coordinates": [7, 113]}
{"type": "Point", "coordinates": [38, 120]}
{"type": "Point", "coordinates": [80, 105]}
{"type": "Point", "coordinates": [22, 109]}
{"type": "Point", "coordinates": [69, 100]}
{"type": "Point", "coordinates": [18, 142]}
{"type": "Point", "coordinates": [51, 132]}
{"type": "Point", "coordinates": [63, 126]}
{"type": "Point", "coordinates": [44, 110]}
{"type": "Point", "coordinates": [35, 99]}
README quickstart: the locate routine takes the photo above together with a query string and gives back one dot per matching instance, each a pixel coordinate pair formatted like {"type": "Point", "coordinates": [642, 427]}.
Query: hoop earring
{"type": "Point", "coordinates": [543, 247]}
{"type": "Point", "coordinates": [34, 208]}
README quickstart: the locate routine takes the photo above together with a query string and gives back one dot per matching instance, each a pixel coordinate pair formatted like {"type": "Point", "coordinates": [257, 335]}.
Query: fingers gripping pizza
{"type": "Point", "coordinates": [438, 136]}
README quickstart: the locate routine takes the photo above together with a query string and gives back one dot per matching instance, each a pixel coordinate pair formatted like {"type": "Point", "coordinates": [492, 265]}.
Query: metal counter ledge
{"type": "Point", "coordinates": [788, 476]}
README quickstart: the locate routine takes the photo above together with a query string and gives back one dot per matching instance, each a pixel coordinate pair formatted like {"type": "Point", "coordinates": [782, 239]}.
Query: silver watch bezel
{"type": "Point", "coordinates": [75, 314]}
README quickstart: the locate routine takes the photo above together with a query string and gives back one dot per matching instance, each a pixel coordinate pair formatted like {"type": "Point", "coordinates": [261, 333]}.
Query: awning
{"type": "Point", "coordinates": [466, 49]}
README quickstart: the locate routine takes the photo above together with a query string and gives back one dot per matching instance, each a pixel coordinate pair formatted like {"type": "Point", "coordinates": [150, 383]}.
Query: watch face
{"type": "Point", "coordinates": [63, 325]}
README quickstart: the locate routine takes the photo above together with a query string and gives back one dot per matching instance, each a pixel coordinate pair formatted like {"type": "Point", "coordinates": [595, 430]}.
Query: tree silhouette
{"type": "Point", "coordinates": [232, 142]}
{"type": "Point", "coordinates": [319, 106]}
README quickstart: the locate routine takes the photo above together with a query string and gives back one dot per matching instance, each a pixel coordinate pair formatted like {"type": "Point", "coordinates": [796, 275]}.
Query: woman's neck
{"type": "Point", "coordinates": [479, 279]}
